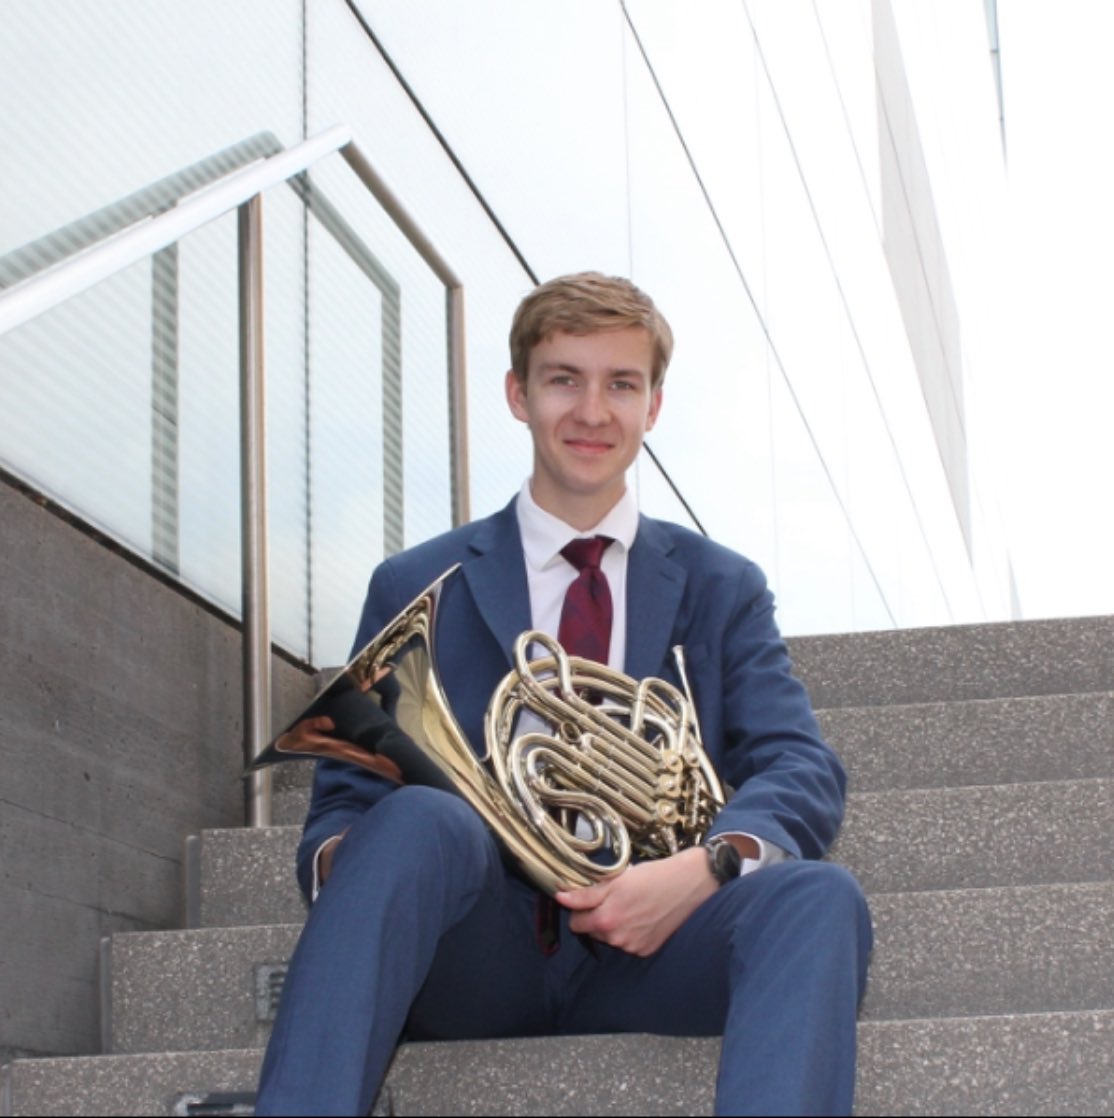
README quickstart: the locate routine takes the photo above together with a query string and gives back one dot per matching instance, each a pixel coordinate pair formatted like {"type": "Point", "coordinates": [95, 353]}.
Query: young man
{"type": "Point", "coordinates": [419, 928]}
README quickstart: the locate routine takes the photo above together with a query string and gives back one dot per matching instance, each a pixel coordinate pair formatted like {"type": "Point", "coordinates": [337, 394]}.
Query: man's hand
{"type": "Point", "coordinates": [642, 907]}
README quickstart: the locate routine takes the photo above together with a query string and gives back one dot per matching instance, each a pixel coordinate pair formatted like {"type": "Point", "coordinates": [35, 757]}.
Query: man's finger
{"type": "Point", "coordinates": [578, 899]}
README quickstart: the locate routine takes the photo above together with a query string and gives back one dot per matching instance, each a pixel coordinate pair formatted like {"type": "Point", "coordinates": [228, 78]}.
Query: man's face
{"type": "Point", "coordinates": [588, 402]}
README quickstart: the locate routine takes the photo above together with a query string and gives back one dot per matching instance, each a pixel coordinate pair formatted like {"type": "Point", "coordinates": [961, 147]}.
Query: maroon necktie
{"type": "Point", "coordinates": [585, 628]}
{"type": "Point", "coordinates": [585, 631]}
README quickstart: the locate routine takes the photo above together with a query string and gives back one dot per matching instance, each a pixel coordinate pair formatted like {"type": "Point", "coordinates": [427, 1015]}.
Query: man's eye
{"type": "Point", "coordinates": [625, 385]}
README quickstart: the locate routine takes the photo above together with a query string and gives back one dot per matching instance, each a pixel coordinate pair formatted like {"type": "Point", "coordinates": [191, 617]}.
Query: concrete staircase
{"type": "Point", "coordinates": [981, 824]}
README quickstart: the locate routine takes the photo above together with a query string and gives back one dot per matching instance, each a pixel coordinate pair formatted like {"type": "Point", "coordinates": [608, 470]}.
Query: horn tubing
{"type": "Point", "coordinates": [587, 781]}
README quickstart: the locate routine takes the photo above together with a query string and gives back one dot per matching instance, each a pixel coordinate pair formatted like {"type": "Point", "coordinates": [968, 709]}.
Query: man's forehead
{"type": "Point", "coordinates": [627, 348]}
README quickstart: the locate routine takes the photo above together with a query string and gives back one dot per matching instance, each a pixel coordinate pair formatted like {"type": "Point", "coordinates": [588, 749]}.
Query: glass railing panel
{"type": "Point", "coordinates": [75, 405]}
{"type": "Point", "coordinates": [209, 410]}
{"type": "Point", "coordinates": [346, 467]}
{"type": "Point", "coordinates": [378, 453]}
{"type": "Point", "coordinates": [414, 351]}
{"type": "Point", "coordinates": [288, 493]}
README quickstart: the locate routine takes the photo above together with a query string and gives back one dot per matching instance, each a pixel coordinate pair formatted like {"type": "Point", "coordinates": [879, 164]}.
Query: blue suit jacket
{"type": "Point", "coordinates": [755, 717]}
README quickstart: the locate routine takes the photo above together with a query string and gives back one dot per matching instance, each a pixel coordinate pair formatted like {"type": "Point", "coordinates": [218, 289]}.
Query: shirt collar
{"type": "Point", "coordinates": [543, 534]}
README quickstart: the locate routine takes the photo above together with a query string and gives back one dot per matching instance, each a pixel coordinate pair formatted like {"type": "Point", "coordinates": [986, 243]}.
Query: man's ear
{"type": "Point", "coordinates": [655, 408]}
{"type": "Point", "coordinates": [516, 395]}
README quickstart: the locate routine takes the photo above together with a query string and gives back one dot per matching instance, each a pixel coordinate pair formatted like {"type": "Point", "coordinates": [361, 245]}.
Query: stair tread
{"type": "Point", "coordinates": [980, 836]}
{"type": "Point", "coordinates": [1018, 949]}
{"type": "Point", "coordinates": [1049, 1063]}
{"type": "Point", "coordinates": [976, 741]}
{"type": "Point", "coordinates": [997, 660]}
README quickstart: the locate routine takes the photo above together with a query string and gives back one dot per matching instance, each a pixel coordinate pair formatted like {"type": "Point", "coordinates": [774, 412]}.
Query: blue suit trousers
{"type": "Point", "coordinates": [423, 933]}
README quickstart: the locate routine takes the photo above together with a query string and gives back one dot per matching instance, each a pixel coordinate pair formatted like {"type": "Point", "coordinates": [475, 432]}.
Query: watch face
{"type": "Point", "coordinates": [726, 861]}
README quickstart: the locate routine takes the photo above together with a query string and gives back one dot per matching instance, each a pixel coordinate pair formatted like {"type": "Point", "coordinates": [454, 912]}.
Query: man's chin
{"type": "Point", "coordinates": [610, 488]}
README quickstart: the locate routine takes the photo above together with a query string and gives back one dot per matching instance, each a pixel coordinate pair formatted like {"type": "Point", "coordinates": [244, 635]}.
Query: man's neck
{"type": "Point", "coordinates": [579, 512]}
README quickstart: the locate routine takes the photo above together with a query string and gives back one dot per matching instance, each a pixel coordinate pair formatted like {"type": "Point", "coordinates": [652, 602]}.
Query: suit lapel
{"type": "Point", "coordinates": [496, 578]}
{"type": "Point", "coordinates": [655, 584]}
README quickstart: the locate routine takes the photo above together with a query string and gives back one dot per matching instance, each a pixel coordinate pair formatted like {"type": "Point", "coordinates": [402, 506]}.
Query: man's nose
{"type": "Point", "coordinates": [592, 406]}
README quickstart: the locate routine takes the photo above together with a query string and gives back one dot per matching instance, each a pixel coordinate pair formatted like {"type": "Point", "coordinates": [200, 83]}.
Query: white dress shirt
{"type": "Point", "coordinates": [549, 574]}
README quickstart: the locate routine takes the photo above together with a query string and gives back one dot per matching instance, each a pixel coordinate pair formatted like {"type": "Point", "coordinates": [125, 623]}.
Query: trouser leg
{"type": "Point", "coordinates": [798, 974]}
{"type": "Point", "coordinates": [777, 962]}
{"type": "Point", "coordinates": [418, 869]}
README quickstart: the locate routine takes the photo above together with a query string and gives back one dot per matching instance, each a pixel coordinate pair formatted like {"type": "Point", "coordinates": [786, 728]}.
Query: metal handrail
{"type": "Point", "coordinates": [71, 277]}
{"type": "Point", "coordinates": [60, 244]}
{"type": "Point", "coordinates": [242, 190]}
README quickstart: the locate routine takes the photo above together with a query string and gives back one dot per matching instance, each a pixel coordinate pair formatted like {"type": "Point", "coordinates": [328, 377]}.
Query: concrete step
{"type": "Point", "coordinates": [977, 952]}
{"type": "Point", "coordinates": [967, 952]}
{"type": "Point", "coordinates": [244, 875]}
{"type": "Point", "coordinates": [201, 990]}
{"type": "Point", "coordinates": [957, 662]}
{"type": "Point", "coordinates": [980, 837]}
{"type": "Point", "coordinates": [290, 797]}
{"type": "Point", "coordinates": [939, 838]}
{"type": "Point", "coordinates": [1051, 1064]}
{"type": "Point", "coordinates": [982, 741]}
{"type": "Point", "coordinates": [151, 1084]}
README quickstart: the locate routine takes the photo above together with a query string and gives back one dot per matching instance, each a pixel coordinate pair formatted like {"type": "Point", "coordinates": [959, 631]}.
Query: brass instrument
{"type": "Point", "coordinates": [584, 766]}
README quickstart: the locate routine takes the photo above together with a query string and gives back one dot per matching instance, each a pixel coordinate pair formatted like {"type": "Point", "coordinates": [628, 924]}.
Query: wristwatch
{"type": "Point", "coordinates": [724, 860]}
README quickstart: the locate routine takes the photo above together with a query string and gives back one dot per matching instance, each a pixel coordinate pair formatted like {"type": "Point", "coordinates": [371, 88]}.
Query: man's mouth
{"type": "Point", "coordinates": [588, 446]}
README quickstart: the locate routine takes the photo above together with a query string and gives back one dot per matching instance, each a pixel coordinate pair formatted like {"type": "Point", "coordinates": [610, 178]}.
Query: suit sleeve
{"type": "Point", "coordinates": [789, 784]}
{"type": "Point", "coordinates": [343, 792]}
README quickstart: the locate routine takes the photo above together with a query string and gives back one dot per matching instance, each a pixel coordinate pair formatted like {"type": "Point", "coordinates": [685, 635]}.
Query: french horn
{"type": "Point", "coordinates": [584, 767]}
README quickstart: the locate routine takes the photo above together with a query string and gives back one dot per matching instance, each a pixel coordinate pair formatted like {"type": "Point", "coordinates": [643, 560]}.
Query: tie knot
{"type": "Point", "coordinates": [586, 554]}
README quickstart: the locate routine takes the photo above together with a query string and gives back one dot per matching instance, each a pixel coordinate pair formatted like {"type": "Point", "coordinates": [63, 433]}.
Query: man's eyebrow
{"type": "Point", "coordinates": [568, 367]}
{"type": "Point", "coordinates": [558, 366]}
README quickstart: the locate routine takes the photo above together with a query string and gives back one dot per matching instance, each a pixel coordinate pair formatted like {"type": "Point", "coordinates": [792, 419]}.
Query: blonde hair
{"type": "Point", "coordinates": [585, 303]}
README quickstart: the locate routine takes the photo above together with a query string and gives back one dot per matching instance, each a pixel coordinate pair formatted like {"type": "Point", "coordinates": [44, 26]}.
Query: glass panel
{"type": "Point", "coordinates": [75, 405]}
{"type": "Point", "coordinates": [346, 425]}
{"type": "Point", "coordinates": [288, 509]}
{"type": "Point", "coordinates": [161, 470]}
{"type": "Point", "coordinates": [209, 410]}
{"type": "Point", "coordinates": [416, 399]}
{"type": "Point", "coordinates": [814, 544]}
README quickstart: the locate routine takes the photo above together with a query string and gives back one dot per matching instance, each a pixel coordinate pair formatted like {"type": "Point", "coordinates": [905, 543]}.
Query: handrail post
{"type": "Point", "coordinates": [253, 510]}
{"type": "Point", "coordinates": [458, 407]}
